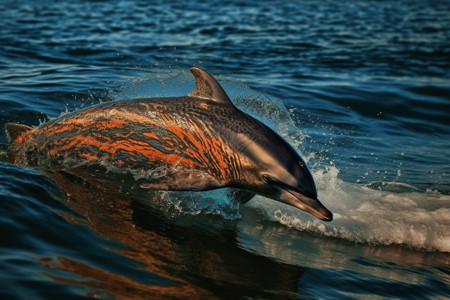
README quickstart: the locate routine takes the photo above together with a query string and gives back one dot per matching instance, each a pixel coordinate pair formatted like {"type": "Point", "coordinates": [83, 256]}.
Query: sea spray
{"type": "Point", "coordinates": [387, 213]}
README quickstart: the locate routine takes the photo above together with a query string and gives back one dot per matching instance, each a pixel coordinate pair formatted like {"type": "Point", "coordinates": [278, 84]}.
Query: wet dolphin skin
{"type": "Point", "coordinates": [200, 141]}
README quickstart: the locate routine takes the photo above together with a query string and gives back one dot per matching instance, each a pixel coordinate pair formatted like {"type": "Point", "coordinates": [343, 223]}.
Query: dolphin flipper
{"type": "Point", "coordinates": [242, 196]}
{"type": "Point", "coordinates": [184, 181]}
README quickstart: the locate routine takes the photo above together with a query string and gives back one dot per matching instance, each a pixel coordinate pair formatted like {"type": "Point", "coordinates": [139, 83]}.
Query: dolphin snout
{"type": "Point", "coordinates": [305, 203]}
{"type": "Point", "coordinates": [319, 211]}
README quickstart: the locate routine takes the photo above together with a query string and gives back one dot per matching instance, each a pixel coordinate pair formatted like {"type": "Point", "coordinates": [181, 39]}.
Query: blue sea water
{"type": "Point", "coordinates": [361, 89]}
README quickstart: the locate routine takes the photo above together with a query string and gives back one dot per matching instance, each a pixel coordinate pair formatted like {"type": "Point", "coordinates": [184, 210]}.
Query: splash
{"type": "Point", "coordinates": [379, 213]}
{"type": "Point", "coordinates": [383, 213]}
{"type": "Point", "coordinates": [221, 202]}
{"type": "Point", "coordinates": [364, 215]}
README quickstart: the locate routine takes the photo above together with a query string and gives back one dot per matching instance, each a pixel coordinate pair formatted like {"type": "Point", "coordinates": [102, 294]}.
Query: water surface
{"type": "Point", "coordinates": [359, 88]}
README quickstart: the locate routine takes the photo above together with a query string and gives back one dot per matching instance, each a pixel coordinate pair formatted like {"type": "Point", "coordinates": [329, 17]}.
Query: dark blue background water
{"type": "Point", "coordinates": [360, 88]}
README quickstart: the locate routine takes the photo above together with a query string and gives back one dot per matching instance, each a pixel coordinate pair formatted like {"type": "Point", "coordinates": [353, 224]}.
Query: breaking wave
{"type": "Point", "coordinates": [366, 215]}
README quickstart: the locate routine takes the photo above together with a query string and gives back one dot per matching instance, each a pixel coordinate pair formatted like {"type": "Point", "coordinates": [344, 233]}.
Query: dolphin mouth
{"type": "Point", "coordinates": [307, 204]}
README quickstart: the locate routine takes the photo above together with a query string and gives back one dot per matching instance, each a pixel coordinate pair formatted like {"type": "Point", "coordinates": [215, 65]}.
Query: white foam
{"type": "Point", "coordinates": [365, 215]}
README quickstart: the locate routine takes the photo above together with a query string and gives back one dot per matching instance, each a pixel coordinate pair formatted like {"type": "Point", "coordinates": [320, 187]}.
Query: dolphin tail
{"type": "Point", "coordinates": [14, 131]}
{"type": "Point", "coordinates": [15, 134]}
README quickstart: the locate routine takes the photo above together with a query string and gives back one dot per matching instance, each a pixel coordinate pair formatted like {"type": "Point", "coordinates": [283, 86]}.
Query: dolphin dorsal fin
{"type": "Point", "coordinates": [207, 87]}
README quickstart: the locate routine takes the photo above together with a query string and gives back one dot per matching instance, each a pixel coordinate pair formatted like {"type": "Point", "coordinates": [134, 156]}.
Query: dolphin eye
{"type": "Point", "coordinates": [303, 165]}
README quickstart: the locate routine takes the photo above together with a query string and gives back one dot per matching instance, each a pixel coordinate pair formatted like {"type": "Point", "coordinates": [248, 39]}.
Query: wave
{"type": "Point", "coordinates": [365, 215]}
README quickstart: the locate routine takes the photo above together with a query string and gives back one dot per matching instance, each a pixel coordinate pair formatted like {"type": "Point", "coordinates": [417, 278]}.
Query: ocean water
{"type": "Point", "coordinates": [361, 89]}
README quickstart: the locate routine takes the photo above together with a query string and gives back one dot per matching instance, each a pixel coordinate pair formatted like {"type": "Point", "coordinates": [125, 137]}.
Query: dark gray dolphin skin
{"type": "Point", "coordinates": [200, 141]}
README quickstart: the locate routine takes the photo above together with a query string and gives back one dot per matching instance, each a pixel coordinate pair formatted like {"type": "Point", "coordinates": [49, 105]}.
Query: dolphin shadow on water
{"type": "Point", "coordinates": [197, 142]}
{"type": "Point", "coordinates": [188, 261]}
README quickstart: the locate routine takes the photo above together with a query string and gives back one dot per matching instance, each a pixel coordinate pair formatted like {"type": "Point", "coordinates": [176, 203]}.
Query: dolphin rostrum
{"type": "Point", "coordinates": [200, 141]}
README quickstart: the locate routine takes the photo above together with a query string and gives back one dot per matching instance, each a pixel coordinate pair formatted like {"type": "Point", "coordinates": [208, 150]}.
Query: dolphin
{"type": "Point", "coordinates": [196, 142]}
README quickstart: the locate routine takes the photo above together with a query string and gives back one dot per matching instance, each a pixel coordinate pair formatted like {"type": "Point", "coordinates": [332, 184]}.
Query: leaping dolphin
{"type": "Point", "coordinates": [200, 141]}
